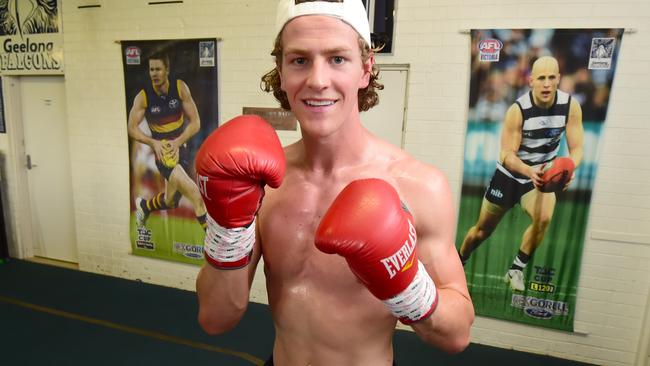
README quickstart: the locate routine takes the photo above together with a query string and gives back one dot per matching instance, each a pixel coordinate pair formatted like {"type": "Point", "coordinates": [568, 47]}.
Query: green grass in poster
{"type": "Point", "coordinates": [551, 275]}
{"type": "Point", "coordinates": [169, 237]}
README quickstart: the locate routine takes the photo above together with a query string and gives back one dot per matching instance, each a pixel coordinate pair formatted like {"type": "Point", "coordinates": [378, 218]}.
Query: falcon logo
{"type": "Point", "coordinates": [403, 259]}
{"type": "Point", "coordinates": [29, 17]}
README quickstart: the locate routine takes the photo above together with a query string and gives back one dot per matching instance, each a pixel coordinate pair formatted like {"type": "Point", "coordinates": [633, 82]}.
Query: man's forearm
{"type": "Point", "coordinates": [223, 297]}
{"type": "Point", "coordinates": [512, 162]}
{"type": "Point", "coordinates": [576, 155]}
{"type": "Point", "coordinates": [448, 328]}
{"type": "Point", "coordinates": [190, 130]}
{"type": "Point", "coordinates": [137, 135]}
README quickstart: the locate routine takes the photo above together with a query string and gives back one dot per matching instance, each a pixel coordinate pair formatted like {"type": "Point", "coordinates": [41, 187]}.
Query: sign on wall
{"type": "Point", "coordinates": [31, 36]}
{"type": "Point", "coordinates": [171, 107]}
{"type": "Point", "coordinates": [536, 96]}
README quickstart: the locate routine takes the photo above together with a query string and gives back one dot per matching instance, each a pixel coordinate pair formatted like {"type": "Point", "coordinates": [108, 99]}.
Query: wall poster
{"type": "Point", "coordinates": [171, 89]}
{"type": "Point", "coordinates": [538, 99]}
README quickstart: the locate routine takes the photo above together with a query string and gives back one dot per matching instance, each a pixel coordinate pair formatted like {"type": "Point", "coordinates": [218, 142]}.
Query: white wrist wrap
{"type": "Point", "coordinates": [228, 246]}
{"type": "Point", "coordinates": [417, 301]}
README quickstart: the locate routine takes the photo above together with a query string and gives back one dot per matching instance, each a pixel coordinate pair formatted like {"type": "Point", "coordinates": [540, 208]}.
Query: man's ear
{"type": "Point", "coordinates": [279, 70]}
{"type": "Point", "coordinates": [367, 71]}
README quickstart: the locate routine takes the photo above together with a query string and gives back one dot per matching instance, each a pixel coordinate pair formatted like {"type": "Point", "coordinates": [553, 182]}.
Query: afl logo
{"type": "Point", "coordinates": [132, 55]}
{"type": "Point", "coordinates": [489, 49]}
{"type": "Point", "coordinates": [173, 104]}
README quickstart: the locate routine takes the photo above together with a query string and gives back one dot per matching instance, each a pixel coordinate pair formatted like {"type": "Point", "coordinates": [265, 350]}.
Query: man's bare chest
{"type": "Point", "coordinates": [288, 221]}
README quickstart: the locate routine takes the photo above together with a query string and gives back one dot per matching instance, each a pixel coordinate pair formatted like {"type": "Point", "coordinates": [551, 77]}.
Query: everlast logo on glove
{"type": "Point", "coordinates": [202, 181]}
{"type": "Point", "coordinates": [398, 261]}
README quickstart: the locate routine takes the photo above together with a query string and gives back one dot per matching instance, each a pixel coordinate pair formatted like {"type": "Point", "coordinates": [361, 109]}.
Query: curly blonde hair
{"type": "Point", "coordinates": [368, 97]}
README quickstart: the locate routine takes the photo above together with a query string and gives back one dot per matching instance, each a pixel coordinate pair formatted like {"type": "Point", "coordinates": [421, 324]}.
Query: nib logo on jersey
{"type": "Point", "coordinates": [496, 193]}
{"type": "Point", "coordinates": [30, 37]}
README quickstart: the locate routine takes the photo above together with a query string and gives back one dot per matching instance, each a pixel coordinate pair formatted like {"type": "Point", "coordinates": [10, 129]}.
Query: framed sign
{"type": "Point", "coordinates": [31, 36]}
{"type": "Point", "coordinates": [279, 118]}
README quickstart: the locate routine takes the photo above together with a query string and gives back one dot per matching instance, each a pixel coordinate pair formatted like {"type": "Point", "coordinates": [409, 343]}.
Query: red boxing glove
{"type": "Point", "coordinates": [368, 225]}
{"type": "Point", "coordinates": [233, 165]}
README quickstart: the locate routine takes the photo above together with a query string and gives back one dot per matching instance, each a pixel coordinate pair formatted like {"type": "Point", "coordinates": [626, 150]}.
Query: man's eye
{"type": "Point", "coordinates": [299, 61]}
{"type": "Point", "coordinates": [338, 60]}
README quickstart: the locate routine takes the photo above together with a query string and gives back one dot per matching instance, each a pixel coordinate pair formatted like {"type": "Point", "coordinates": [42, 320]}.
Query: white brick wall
{"type": "Point", "coordinates": [615, 281]}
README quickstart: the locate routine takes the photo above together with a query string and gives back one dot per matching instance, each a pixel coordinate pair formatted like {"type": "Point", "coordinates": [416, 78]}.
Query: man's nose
{"type": "Point", "coordinates": [318, 75]}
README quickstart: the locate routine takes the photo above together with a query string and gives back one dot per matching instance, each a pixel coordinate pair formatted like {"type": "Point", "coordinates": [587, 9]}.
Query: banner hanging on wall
{"type": "Point", "coordinates": [538, 99]}
{"type": "Point", "coordinates": [31, 36]}
{"type": "Point", "coordinates": [171, 107]}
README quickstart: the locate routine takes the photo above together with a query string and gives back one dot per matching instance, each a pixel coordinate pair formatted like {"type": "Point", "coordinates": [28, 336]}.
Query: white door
{"type": "Point", "coordinates": [386, 119]}
{"type": "Point", "coordinates": [48, 163]}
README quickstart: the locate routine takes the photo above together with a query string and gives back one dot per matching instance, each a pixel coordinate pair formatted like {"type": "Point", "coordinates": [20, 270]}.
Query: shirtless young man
{"type": "Point", "coordinates": [322, 304]}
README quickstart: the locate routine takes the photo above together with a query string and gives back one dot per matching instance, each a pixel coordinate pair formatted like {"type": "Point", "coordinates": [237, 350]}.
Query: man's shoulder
{"type": "Point", "coordinates": [563, 97]}
{"type": "Point", "coordinates": [426, 192]}
{"type": "Point", "coordinates": [416, 175]}
{"type": "Point", "coordinates": [524, 101]}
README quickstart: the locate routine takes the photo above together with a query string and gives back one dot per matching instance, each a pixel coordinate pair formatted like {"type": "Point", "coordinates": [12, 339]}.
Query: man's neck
{"type": "Point", "coordinates": [347, 147]}
{"type": "Point", "coordinates": [163, 88]}
{"type": "Point", "coordinates": [542, 105]}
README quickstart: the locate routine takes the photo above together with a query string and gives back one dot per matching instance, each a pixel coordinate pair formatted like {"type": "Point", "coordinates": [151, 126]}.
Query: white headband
{"type": "Point", "coordinates": [350, 11]}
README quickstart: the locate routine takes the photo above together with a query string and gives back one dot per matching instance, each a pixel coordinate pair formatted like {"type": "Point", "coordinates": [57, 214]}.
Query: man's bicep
{"type": "Point", "coordinates": [189, 107]}
{"type": "Point", "coordinates": [256, 255]}
{"type": "Point", "coordinates": [136, 114]}
{"type": "Point", "coordinates": [440, 258]}
{"type": "Point", "coordinates": [436, 234]}
{"type": "Point", "coordinates": [574, 126]}
{"type": "Point", "coordinates": [511, 133]}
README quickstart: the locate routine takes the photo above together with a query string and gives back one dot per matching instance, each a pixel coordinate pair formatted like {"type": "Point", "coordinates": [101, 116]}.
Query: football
{"type": "Point", "coordinates": [557, 174]}
{"type": "Point", "coordinates": [169, 156]}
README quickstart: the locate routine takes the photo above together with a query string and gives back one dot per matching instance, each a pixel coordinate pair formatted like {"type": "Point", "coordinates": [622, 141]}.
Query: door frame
{"type": "Point", "coordinates": [643, 349]}
{"type": "Point", "coordinates": [22, 245]}
{"type": "Point", "coordinates": [407, 69]}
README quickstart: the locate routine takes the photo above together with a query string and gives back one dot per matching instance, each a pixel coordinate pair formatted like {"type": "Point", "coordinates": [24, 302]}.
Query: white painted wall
{"type": "Point", "coordinates": [614, 286]}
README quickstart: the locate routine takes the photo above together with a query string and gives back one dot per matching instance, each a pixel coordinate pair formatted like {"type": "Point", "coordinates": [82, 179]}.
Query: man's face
{"type": "Point", "coordinates": [322, 72]}
{"type": "Point", "coordinates": [157, 72]}
{"type": "Point", "coordinates": [544, 81]}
